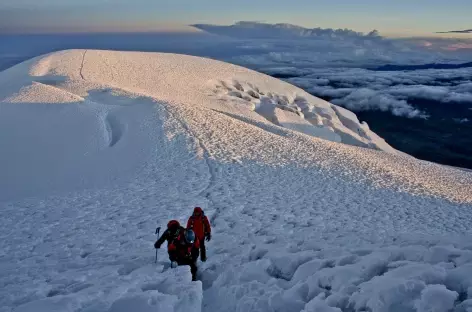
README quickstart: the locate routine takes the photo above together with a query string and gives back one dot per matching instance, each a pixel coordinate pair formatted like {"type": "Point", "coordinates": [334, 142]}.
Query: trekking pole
{"type": "Point", "coordinates": [157, 233]}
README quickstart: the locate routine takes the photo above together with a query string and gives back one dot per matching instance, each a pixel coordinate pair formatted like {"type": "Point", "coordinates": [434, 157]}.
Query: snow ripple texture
{"type": "Point", "coordinates": [311, 210]}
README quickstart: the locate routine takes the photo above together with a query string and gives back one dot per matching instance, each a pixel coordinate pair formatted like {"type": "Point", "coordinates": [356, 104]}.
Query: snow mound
{"type": "Point", "coordinates": [311, 210]}
{"type": "Point", "coordinates": [144, 289]}
{"type": "Point", "coordinates": [316, 117]}
{"type": "Point", "coordinates": [298, 111]}
{"type": "Point", "coordinates": [382, 279]}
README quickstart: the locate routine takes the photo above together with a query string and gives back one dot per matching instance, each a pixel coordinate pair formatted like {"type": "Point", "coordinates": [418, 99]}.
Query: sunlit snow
{"type": "Point", "coordinates": [311, 210]}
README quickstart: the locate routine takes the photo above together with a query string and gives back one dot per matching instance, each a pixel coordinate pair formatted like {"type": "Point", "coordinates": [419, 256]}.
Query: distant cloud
{"type": "Point", "coordinates": [461, 120]}
{"type": "Point", "coordinates": [361, 89]}
{"type": "Point", "coordinates": [466, 31]}
{"type": "Point", "coordinates": [368, 99]}
{"type": "Point", "coordinates": [333, 64]}
{"type": "Point", "coordinates": [459, 46]}
{"type": "Point", "coordinates": [246, 29]}
{"type": "Point", "coordinates": [268, 45]}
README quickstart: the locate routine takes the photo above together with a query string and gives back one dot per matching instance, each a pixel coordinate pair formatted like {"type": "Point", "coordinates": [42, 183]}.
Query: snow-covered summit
{"type": "Point", "coordinates": [311, 210]}
{"type": "Point", "coordinates": [194, 81]}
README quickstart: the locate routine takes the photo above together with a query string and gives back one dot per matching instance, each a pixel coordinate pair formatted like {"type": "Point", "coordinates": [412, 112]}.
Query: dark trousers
{"type": "Point", "coordinates": [186, 261]}
{"type": "Point", "coordinates": [203, 254]}
{"type": "Point", "coordinates": [193, 267]}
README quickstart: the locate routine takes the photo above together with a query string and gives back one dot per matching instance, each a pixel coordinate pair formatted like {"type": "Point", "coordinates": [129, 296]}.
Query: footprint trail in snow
{"type": "Point", "coordinates": [311, 210]}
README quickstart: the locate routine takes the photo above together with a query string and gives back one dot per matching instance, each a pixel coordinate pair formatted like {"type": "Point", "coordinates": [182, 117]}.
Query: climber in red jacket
{"type": "Point", "coordinates": [198, 222]}
{"type": "Point", "coordinates": [182, 245]}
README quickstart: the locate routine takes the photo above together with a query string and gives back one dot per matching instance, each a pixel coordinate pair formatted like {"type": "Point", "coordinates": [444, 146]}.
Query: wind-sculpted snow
{"type": "Point", "coordinates": [319, 119]}
{"type": "Point", "coordinates": [99, 148]}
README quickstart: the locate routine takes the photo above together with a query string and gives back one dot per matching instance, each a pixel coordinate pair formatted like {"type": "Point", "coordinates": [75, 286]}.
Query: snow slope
{"type": "Point", "coordinates": [98, 148]}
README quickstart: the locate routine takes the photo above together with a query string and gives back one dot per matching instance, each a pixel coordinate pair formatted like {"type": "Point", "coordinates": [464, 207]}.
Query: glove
{"type": "Point", "coordinates": [208, 237]}
{"type": "Point", "coordinates": [156, 245]}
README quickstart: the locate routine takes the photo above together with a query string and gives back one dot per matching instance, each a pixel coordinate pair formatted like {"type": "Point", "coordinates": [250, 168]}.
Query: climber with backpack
{"type": "Point", "coordinates": [182, 246]}
{"type": "Point", "coordinates": [199, 223]}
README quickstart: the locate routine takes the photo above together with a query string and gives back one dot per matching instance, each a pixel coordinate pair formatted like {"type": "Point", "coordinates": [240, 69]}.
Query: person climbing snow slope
{"type": "Point", "coordinates": [199, 223]}
{"type": "Point", "coordinates": [182, 246]}
{"type": "Point", "coordinates": [173, 230]}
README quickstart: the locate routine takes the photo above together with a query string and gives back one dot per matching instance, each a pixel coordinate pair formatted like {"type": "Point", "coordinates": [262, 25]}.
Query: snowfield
{"type": "Point", "coordinates": [311, 210]}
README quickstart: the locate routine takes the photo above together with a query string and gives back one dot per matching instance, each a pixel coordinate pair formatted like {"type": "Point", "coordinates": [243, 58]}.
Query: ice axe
{"type": "Point", "coordinates": [158, 229]}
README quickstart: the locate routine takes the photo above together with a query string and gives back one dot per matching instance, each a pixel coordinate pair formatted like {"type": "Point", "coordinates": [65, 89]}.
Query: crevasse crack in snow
{"type": "Point", "coordinates": [82, 65]}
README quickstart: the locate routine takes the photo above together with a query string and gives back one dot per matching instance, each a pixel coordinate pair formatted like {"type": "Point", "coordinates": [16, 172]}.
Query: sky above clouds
{"type": "Point", "coordinates": [392, 18]}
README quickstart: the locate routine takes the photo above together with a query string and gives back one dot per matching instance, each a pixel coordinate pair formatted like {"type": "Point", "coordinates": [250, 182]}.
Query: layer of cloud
{"type": "Point", "coordinates": [466, 31]}
{"type": "Point", "coordinates": [368, 99]}
{"type": "Point", "coordinates": [269, 44]}
{"type": "Point", "coordinates": [361, 89]}
{"type": "Point", "coordinates": [335, 64]}
{"type": "Point", "coordinates": [248, 30]}
{"type": "Point", "coordinates": [453, 47]}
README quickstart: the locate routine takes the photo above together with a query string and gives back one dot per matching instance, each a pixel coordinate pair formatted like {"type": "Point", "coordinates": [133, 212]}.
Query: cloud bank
{"type": "Point", "coordinates": [466, 31]}
{"type": "Point", "coordinates": [247, 30]}
{"type": "Point", "coordinates": [362, 89]}
{"type": "Point", "coordinates": [337, 64]}
{"type": "Point", "coordinates": [290, 44]}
